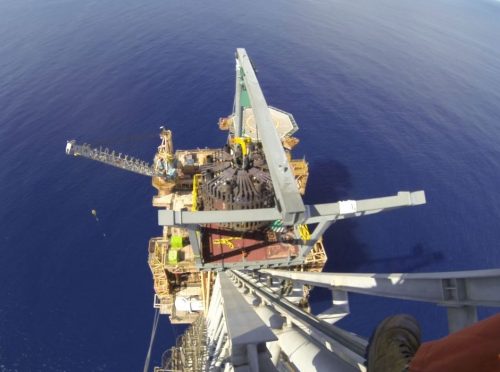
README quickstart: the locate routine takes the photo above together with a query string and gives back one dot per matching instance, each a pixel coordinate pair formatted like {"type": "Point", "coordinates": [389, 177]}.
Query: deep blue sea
{"type": "Point", "coordinates": [389, 94]}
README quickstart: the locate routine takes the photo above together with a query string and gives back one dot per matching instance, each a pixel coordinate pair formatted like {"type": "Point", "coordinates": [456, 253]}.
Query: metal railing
{"type": "Point", "coordinates": [461, 292]}
{"type": "Point", "coordinates": [190, 352]}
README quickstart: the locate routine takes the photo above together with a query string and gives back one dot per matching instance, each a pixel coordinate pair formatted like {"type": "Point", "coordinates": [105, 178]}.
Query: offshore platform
{"type": "Point", "coordinates": [240, 251]}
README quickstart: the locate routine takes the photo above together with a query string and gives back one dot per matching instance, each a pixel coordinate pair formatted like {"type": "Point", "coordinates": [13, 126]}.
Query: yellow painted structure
{"type": "Point", "coordinates": [304, 232]}
{"type": "Point", "coordinates": [196, 184]}
{"type": "Point", "coordinates": [243, 142]}
{"type": "Point", "coordinates": [156, 260]}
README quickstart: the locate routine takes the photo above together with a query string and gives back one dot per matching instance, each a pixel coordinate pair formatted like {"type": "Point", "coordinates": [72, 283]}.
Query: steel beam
{"type": "Point", "coordinates": [355, 208]}
{"type": "Point", "coordinates": [301, 349]}
{"type": "Point", "coordinates": [339, 309]}
{"type": "Point", "coordinates": [326, 214]}
{"type": "Point", "coordinates": [237, 109]}
{"type": "Point", "coordinates": [246, 331]}
{"type": "Point", "coordinates": [479, 288]}
{"type": "Point", "coordinates": [167, 217]}
{"type": "Point", "coordinates": [460, 317]}
{"type": "Point", "coordinates": [194, 240]}
{"type": "Point", "coordinates": [253, 265]}
{"type": "Point", "coordinates": [347, 346]}
{"type": "Point", "coordinates": [459, 291]}
{"type": "Point", "coordinates": [315, 213]}
{"type": "Point", "coordinates": [287, 193]}
{"type": "Point", "coordinates": [243, 325]}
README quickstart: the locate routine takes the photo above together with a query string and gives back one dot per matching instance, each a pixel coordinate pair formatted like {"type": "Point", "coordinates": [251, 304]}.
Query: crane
{"type": "Point", "coordinates": [119, 160]}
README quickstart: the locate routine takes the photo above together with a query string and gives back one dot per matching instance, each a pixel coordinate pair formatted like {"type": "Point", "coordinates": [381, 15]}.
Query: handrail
{"type": "Point", "coordinates": [461, 291]}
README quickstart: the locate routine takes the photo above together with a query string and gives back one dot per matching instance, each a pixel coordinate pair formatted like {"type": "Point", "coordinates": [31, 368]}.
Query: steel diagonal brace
{"type": "Point", "coordinates": [325, 214]}
{"type": "Point", "coordinates": [290, 202]}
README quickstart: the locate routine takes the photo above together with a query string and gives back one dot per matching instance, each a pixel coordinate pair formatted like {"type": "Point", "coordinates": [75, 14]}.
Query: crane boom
{"type": "Point", "coordinates": [125, 162]}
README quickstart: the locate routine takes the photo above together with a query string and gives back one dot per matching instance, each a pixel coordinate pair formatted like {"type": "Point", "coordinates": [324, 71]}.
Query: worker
{"type": "Point", "coordinates": [395, 346]}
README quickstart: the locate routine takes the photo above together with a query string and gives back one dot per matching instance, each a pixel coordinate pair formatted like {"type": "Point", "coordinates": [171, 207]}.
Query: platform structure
{"type": "Point", "coordinates": [240, 251]}
{"type": "Point", "coordinates": [231, 232]}
{"type": "Point", "coordinates": [253, 121]}
{"type": "Point", "coordinates": [257, 318]}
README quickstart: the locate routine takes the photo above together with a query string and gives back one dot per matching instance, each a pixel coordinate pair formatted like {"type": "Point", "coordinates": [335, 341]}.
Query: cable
{"type": "Point", "coordinates": [153, 333]}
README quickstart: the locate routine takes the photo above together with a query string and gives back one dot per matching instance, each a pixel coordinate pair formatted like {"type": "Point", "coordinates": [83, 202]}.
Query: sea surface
{"type": "Point", "coordinates": [389, 95]}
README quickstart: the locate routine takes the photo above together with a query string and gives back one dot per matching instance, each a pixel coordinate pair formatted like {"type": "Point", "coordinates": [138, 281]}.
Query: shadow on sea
{"type": "Point", "coordinates": [330, 181]}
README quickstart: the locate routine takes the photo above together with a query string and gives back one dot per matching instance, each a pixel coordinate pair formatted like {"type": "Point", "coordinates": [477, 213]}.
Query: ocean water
{"type": "Point", "coordinates": [389, 95]}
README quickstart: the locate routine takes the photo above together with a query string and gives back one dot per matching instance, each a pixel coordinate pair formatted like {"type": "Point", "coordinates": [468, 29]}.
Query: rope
{"type": "Point", "coordinates": [153, 333]}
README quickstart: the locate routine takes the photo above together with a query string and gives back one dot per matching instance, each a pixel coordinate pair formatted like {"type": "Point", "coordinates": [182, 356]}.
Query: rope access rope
{"type": "Point", "coordinates": [153, 333]}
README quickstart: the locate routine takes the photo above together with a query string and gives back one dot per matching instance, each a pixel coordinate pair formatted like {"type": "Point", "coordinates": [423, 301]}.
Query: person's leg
{"type": "Point", "coordinates": [472, 349]}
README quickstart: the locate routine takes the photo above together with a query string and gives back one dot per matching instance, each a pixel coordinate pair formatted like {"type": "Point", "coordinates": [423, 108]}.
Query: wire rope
{"type": "Point", "coordinates": [151, 342]}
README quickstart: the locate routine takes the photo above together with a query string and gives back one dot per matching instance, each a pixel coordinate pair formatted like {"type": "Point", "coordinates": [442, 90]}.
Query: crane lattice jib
{"type": "Point", "coordinates": [119, 160]}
